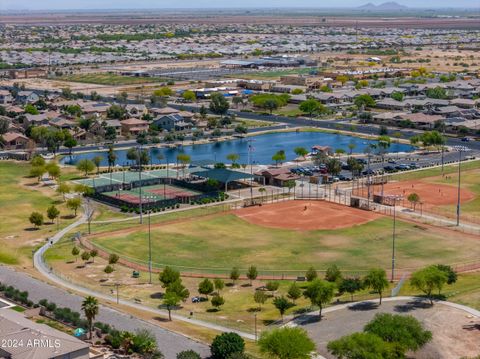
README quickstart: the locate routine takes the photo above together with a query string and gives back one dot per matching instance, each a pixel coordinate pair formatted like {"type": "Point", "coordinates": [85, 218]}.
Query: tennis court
{"type": "Point", "coordinates": [152, 193]}
{"type": "Point", "coordinates": [105, 179]}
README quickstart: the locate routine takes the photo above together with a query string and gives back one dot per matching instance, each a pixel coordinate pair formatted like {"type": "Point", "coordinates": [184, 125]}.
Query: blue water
{"type": "Point", "coordinates": [264, 147]}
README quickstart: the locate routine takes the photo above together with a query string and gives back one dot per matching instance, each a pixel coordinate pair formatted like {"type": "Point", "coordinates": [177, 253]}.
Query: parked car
{"type": "Point", "coordinates": [402, 167]}
{"type": "Point", "coordinates": [389, 169]}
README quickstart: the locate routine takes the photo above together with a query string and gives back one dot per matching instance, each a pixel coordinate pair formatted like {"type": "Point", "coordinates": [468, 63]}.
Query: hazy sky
{"type": "Point", "coordinates": [128, 4]}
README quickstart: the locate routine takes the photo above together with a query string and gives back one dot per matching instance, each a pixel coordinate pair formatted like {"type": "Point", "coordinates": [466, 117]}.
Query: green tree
{"type": "Point", "coordinates": [70, 143]}
{"type": "Point", "coordinates": [170, 301]}
{"type": "Point", "coordinates": [116, 112]}
{"type": "Point", "coordinates": [31, 109]}
{"type": "Point", "coordinates": [402, 329]}
{"type": "Point", "coordinates": [218, 104]}
{"type": "Point", "coordinates": [272, 285]}
{"type": "Point", "coordinates": [188, 354]}
{"type": "Point", "coordinates": [282, 304]}
{"type": "Point", "coordinates": [219, 284]}
{"type": "Point", "coordinates": [429, 279]}
{"type": "Point", "coordinates": [90, 309]}
{"type": "Point", "coordinates": [37, 171]}
{"type": "Point", "coordinates": [168, 276]}
{"type": "Point", "coordinates": [93, 254]}
{"type": "Point", "coordinates": [75, 252]}
{"type": "Point", "coordinates": [286, 343]}
{"type": "Point", "coordinates": [260, 298]}
{"type": "Point", "coordinates": [85, 166]}
{"type": "Point", "coordinates": [234, 274]}
{"type": "Point", "coordinates": [311, 274]}
{"type": "Point", "coordinates": [217, 301]}
{"type": "Point", "coordinates": [334, 166]}
{"type": "Point", "coordinates": [311, 106]}
{"type": "Point", "coordinates": [376, 279]}
{"type": "Point", "coordinates": [85, 257]}
{"type": "Point", "coordinates": [113, 258]}
{"type": "Point", "coordinates": [205, 287]}
{"type": "Point", "coordinates": [233, 157]}
{"type": "Point", "coordinates": [279, 157]}
{"type": "Point", "coordinates": [397, 96]}
{"type": "Point", "coordinates": [363, 346]}
{"type": "Point", "coordinates": [414, 199]}
{"type": "Point", "coordinates": [52, 213]}
{"type": "Point", "coordinates": [108, 269]}
{"type": "Point", "coordinates": [333, 274]}
{"type": "Point", "coordinates": [226, 344]}
{"type": "Point", "coordinates": [320, 293]}
{"type": "Point", "coordinates": [350, 285]}
{"type": "Point", "coordinates": [111, 157]}
{"type": "Point", "coordinates": [97, 160]}
{"type": "Point", "coordinates": [437, 93]}
{"type": "Point", "coordinates": [252, 273]}
{"type": "Point", "coordinates": [364, 101]}
{"type": "Point", "coordinates": [179, 289]}
{"type": "Point", "coordinates": [36, 219]}
{"type": "Point", "coordinates": [74, 204]}
{"type": "Point", "coordinates": [189, 96]}
{"type": "Point", "coordinates": [294, 292]}
{"type": "Point", "coordinates": [451, 274]}
{"type": "Point", "coordinates": [300, 151]}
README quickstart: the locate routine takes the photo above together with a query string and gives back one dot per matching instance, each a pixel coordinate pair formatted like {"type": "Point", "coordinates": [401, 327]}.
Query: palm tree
{"type": "Point", "coordinates": [262, 190]}
{"type": "Point", "coordinates": [90, 309]}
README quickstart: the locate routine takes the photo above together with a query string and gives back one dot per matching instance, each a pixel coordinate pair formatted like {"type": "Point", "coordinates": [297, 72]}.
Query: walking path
{"type": "Point", "coordinates": [43, 268]}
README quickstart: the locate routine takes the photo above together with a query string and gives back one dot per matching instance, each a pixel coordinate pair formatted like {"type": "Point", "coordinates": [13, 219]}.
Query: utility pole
{"type": "Point", "coordinates": [393, 238]}
{"type": "Point", "coordinates": [460, 149]}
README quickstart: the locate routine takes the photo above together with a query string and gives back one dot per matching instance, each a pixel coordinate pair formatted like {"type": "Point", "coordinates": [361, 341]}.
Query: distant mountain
{"type": "Point", "coordinates": [391, 5]}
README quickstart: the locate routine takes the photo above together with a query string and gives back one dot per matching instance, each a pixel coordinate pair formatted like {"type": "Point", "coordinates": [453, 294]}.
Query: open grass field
{"type": "Point", "coordinates": [108, 79]}
{"type": "Point", "coordinates": [19, 196]}
{"type": "Point", "coordinates": [224, 240]}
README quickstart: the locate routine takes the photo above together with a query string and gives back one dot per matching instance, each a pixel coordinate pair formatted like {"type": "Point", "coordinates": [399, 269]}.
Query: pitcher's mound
{"type": "Point", "coordinates": [306, 215]}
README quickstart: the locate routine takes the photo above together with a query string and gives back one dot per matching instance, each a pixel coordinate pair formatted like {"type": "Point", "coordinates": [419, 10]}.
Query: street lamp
{"type": "Point", "coordinates": [148, 198]}
{"type": "Point", "coordinates": [459, 149]}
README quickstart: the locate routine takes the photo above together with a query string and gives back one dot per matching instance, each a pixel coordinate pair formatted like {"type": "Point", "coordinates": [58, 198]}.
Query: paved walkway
{"type": "Point", "coordinates": [43, 268]}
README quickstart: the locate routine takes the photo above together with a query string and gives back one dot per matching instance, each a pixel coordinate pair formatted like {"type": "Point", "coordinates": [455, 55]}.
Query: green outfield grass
{"type": "Point", "coordinates": [108, 79]}
{"type": "Point", "coordinates": [224, 241]}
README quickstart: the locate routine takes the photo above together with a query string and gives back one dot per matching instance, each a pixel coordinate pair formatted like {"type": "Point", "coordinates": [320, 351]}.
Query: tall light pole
{"type": "Point", "coordinates": [149, 198]}
{"type": "Point", "coordinates": [459, 149]}
{"type": "Point", "coordinates": [139, 157]}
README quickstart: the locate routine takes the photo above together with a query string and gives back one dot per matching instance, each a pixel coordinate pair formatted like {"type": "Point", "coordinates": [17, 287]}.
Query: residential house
{"type": "Point", "coordinates": [27, 97]}
{"type": "Point", "coordinates": [14, 141]}
{"type": "Point", "coordinates": [5, 97]}
{"type": "Point", "coordinates": [39, 340]}
{"type": "Point", "coordinates": [171, 122]}
{"type": "Point", "coordinates": [133, 126]}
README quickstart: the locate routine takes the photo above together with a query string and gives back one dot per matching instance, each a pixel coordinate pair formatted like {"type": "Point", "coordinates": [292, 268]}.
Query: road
{"type": "Point", "coordinates": [169, 343]}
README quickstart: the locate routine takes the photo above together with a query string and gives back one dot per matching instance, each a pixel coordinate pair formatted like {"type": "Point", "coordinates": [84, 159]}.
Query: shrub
{"type": "Point", "coordinates": [188, 354]}
{"type": "Point", "coordinates": [226, 344]}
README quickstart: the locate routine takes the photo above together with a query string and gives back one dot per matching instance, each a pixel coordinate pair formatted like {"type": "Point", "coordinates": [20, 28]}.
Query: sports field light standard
{"type": "Point", "coordinates": [460, 150]}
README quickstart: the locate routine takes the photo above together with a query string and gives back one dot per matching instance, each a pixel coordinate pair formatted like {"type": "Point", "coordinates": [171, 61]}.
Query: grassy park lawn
{"type": "Point", "coordinates": [223, 241]}
{"type": "Point", "coordinates": [20, 196]}
{"type": "Point", "coordinates": [276, 74]}
{"type": "Point", "coordinates": [108, 79]}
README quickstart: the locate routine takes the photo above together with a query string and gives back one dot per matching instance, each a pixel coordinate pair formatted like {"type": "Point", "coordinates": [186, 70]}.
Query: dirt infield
{"type": "Point", "coordinates": [431, 194]}
{"type": "Point", "coordinates": [306, 215]}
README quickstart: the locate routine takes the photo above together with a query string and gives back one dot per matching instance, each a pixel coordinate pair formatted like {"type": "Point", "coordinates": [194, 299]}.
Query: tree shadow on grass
{"type": "Point", "coordinates": [363, 306]}
{"type": "Point", "coordinates": [68, 216]}
{"type": "Point", "coordinates": [253, 310]}
{"type": "Point", "coordinates": [161, 319]}
{"type": "Point", "coordinates": [411, 306]}
{"type": "Point", "coordinates": [31, 229]}
{"type": "Point", "coordinates": [157, 295]}
{"type": "Point", "coordinates": [212, 310]}
{"type": "Point", "coordinates": [471, 327]}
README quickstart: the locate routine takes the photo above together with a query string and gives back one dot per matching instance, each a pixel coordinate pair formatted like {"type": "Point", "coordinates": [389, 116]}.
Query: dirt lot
{"type": "Point", "coordinates": [306, 215]}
